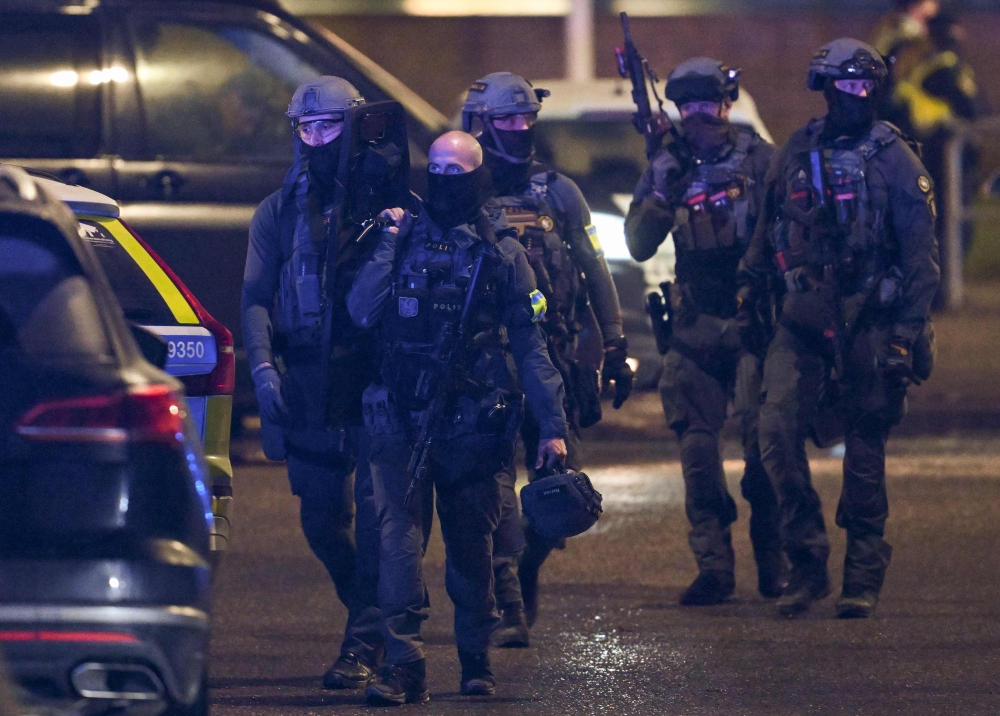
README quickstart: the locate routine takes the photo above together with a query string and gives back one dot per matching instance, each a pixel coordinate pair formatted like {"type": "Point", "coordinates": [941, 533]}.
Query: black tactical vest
{"type": "Point", "coordinates": [848, 234]}
{"type": "Point", "coordinates": [539, 228]}
{"type": "Point", "coordinates": [712, 228]}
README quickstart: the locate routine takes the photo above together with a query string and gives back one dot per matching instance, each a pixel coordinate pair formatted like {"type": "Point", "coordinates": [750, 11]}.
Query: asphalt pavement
{"type": "Point", "coordinates": [611, 638]}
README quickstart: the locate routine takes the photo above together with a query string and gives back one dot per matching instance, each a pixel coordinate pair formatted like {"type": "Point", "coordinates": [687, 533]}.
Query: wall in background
{"type": "Point", "coordinates": [439, 57]}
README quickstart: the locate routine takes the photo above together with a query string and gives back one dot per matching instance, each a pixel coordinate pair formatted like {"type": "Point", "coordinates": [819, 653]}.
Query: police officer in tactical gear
{"type": "Point", "coordinates": [310, 364]}
{"type": "Point", "coordinates": [553, 224]}
{"type": "Point", "coordinates": [706, 187]}
{"type": "Point", "coordinates": [440, 286]}
{"type": "Point", "coordinates": [847, 242]}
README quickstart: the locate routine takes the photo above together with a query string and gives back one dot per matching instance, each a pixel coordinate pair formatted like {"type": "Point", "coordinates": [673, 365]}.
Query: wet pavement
{"type": "Point", "coordinates": [611, 639]}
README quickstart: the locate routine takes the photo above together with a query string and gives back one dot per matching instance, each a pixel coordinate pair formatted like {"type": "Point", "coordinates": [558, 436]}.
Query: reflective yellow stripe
{"type": "Point", "coordinates": [178, 305]}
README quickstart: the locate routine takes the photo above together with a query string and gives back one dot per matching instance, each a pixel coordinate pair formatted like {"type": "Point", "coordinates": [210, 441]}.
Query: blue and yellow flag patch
{"type": "Point", "coordinates": [538, 306]}
{"type": "Point", "coordinates": [592, 235]}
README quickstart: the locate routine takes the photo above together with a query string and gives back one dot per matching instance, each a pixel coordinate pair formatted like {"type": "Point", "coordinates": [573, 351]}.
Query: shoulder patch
{"type": "Point", "coordinates": [538, 306]}
{"type": "Point", "coordinates": [478, 87]}
{"type": "Point", "coordinates": [924, 183]}
{"type": "Point", "coordinates": [592, 235]}
{"type": "Point", "coordinates": [546, 223]}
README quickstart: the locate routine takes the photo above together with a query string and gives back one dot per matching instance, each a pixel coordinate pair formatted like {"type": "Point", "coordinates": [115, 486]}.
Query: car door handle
{"type": "Point", "coordinates": [165, 183]}
{"type": "Point", "coordinates": [74, 176]}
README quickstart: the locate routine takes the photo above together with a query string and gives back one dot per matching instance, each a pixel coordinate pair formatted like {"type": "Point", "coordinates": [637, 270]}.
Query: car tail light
{"type": "Point", "coordinates": [148, 414]}
{"type": "Point", "coordinates": [97, 637]}
{"type": "Point", "coordinates": [222, 379]}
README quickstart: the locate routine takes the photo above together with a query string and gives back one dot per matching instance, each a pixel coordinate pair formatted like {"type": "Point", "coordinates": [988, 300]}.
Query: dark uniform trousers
{"type": "Point", "coordinates": [337, 510]}
{"type": "Point", "coordinates": [793, 379]}
{"type": "Point", "coordinates": [469, 511]}
{"type": "Point", "coordinates": [695, 405]}
{"type": "Point", "coordinates": [515, 541]}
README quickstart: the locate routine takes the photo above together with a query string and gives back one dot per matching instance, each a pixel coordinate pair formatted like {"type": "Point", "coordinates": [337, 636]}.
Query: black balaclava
{"type": "Point", "coordinates": [509, 177]}
{"type": "Point", "coordinates": [324, 160]}
{"type": "Point", "coordinates": [706, 134]}
{"type": "Point", "coordinates": [848, 115]}
{"type": "Point", "coordinates": [454, 199]}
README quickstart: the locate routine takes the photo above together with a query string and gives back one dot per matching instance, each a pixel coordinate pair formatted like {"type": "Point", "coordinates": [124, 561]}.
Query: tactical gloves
{"type": "Point", "coordinates": [899, 362]}
{"type": "Point", "coordinates": [267, 383]}
{"type": "Point", "coordinates": [617, 369]}
{"type": "Point", "coordinates": [668, 179]}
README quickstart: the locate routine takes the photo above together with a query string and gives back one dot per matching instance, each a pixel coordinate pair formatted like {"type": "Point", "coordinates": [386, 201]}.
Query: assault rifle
{"type": "Point", "coordinates": [448, 370]}
{"type": "Point", "coordinates": [633, 66]}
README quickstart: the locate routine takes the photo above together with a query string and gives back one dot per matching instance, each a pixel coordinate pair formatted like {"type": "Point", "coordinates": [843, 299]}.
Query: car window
{"type": "Point", "coordinates": [140, 288]}
{"type": "Point", "coordinates": [605, 157]}
{"type": "Point", "coordinates": [50, 77]}
{"type": "Point", "coordinates": [46, 305]}
{"type": "Point", "coordinates": [215, 92]}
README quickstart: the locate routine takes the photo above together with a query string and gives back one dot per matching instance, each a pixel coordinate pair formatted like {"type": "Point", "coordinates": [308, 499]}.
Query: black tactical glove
{"type": "Point", "coordinates": [668, 179]}
{"type": "Point", "coordinates": [899, 362]}
{"type": "Point", "coordinates": [617, 369]}
{"type": "Point", "coordinates": [267, 382]}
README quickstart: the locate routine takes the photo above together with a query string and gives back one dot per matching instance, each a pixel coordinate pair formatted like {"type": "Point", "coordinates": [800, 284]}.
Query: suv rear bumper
{"type": "Point", "coordinates": [165, 647]}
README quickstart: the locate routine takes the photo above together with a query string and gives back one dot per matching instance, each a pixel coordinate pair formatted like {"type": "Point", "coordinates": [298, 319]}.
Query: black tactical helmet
{"type": "Point", "coordinates": [499, 94]}
{"type": "Point", "coordinates": [845, 59]}
{"type": "Point", "coordinates": [702, 79]}
{"type": "Point", "coordinates": [323, 95]}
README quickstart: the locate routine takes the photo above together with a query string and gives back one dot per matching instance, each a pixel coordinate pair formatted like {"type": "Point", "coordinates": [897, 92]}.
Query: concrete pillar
{"type": "Point", "coordinates": [580, 41]}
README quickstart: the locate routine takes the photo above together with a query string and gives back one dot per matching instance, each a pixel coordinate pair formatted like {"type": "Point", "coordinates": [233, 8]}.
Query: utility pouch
{"type": "Point", "coordinates": [478, 440]}
{"type": "Point", "coordinates": [298, 314]}
{"type": "Point", "coordinates": [658, 308]}
{"type": "Point", "coordinates": [700, 218]}
{"type": "Point", "coordinates": [925, 351]}
{"type": "Point", "coordinates": [809, 315]}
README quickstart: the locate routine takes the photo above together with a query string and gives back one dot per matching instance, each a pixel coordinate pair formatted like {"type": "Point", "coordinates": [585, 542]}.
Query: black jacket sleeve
{"type": "Point", "coordinates": [649, 219]}
{"type": "Point", "coordinates": [582, 238]}
{"type": "Point", "coordinates": [911, 202]}
{"type": "Point", "coordinates": [541, 382]}
{"type": "Point", "coordinates": [260, 281]}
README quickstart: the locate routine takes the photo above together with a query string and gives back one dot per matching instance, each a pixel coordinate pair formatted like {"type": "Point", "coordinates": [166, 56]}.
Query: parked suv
{"type": "Point", "coordinates": [105, 516]}
{"type": "Point", "coordinates": [175, 108]}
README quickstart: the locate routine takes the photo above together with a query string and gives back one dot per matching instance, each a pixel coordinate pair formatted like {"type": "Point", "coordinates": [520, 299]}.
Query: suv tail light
{"type": "Point", "coordinates": [148, 414]}
{"type": "Point", "coordinates": [222, 379]}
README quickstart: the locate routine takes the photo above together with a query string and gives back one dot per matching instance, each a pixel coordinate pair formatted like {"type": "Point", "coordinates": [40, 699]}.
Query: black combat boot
{"type": "Point", "coordinates": [770, 572]}
{"type": "Point", "coordinates": [807, 584]}
{"type": "Point", "coordinates": [349, 672]}
{"type": "Point", "coordinates": [512, 632]}
{"type": "Point", "coordinates": [708, 588]}
{"type": "Point", "coordinates": [399, 684]}
{"type": "Point", "coordinates": [477, 679]}
{"type": "Point", "coordinates": [856, 602]}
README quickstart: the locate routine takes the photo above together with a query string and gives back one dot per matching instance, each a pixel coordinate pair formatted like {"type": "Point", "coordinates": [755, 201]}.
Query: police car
{"type": "Point", "coordinates": [199, 348]}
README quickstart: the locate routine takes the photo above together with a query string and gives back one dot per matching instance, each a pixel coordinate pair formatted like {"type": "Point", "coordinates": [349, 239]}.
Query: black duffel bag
{"type": "Point", "coordinates": [561, 505]}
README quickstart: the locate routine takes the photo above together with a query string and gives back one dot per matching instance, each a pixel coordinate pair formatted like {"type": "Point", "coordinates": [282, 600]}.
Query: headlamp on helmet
{"type": "Point", "coordinates": [845, 59]}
